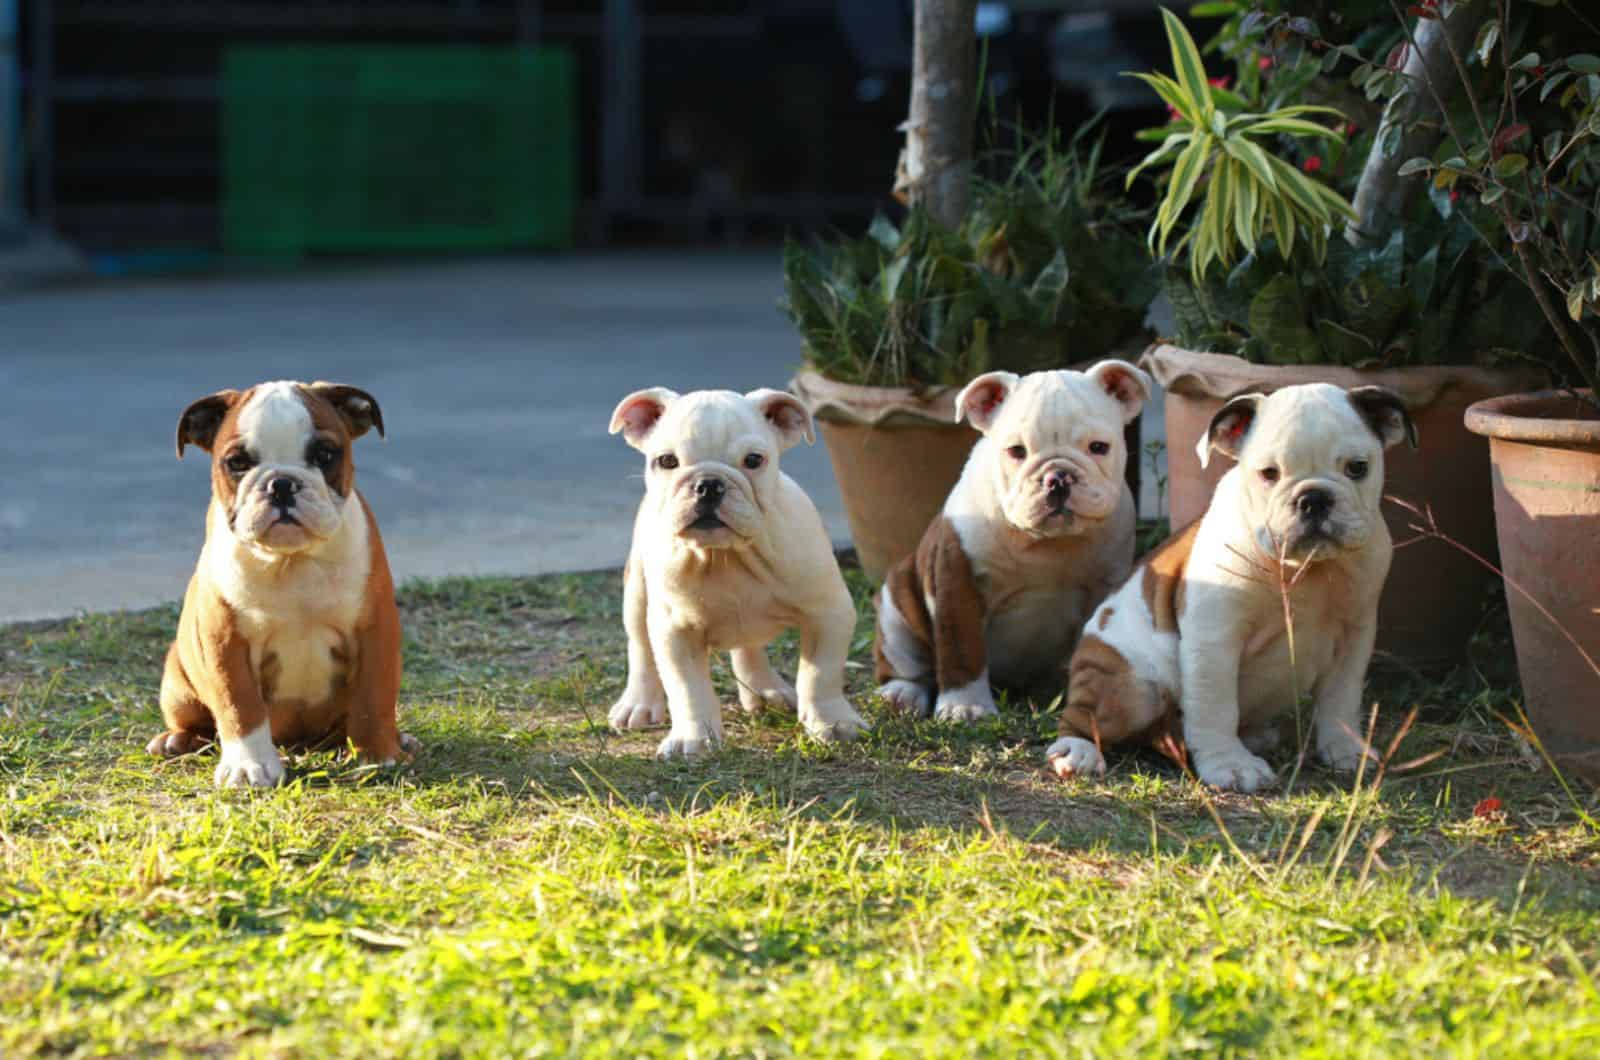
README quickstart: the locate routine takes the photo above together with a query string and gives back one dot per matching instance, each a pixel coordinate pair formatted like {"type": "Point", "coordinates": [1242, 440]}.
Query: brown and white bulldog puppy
{"type": "Point", "coordinates": [1037, 530]}
{"type": "Point", "coordinates": [1195, 643]}
{"type": "Point", "coordinates": [727, 553]}
{"type": "Point", "coordinates": [289, 633]}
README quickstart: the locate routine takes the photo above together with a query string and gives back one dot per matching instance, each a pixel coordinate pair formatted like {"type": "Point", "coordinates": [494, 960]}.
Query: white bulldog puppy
{"type": "Point", "coordinates": [727, 553]}
{"type": "Point", "coordinates": [1195, 642]}
{"type": "Point", "coordinates": [1036, 532]}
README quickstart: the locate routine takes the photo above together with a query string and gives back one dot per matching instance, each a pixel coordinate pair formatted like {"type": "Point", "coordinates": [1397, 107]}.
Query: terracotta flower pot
{"type": "Point", "coordinates": [1545, 448]}
{"type": "Point", "coordinates": [1433, 598]}
{"type": "Point", "coordinates": [896, 453]}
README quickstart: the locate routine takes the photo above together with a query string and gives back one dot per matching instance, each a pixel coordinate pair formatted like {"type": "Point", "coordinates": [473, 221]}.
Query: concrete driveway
{"type": "Point", "coordinates": [496, 381]}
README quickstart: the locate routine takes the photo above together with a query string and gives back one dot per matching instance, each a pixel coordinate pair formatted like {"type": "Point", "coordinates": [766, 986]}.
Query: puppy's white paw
{"type": "Point", "coordinates": [251, 762]}
{"type": "Point", "coordinates": [1344, 752]}
{"type": "Point", "coordinates": [834, 722]}
{"type": "Point", "coordinates": [1233, 769]}
{"type": "Point", "coordinates": [635, 711]}
{"type": "Point", "coordinates": [969, 703]}
{"type": "Point", "coordinates": [689, 742]}
{"type": "Point", "coordinates": [1071, 756]}
{"type": "Point", "coordinates": [776, 694]}
{"type": "Point", "coordinates": [906, 697]}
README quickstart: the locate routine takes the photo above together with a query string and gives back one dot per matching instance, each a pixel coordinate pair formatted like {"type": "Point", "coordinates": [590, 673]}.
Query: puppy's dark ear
{"type": "Point", "coordinates": [1228, 428]}
{"type": "Point", "coordinates": [1385, 413]}
{"type": "Point", "coordinates": [200, 421]}
{"type": "Point", "coordinates": [355, 406]}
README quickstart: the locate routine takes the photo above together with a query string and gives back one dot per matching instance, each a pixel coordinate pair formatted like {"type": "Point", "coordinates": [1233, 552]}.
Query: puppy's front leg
{"type": "Point", "coordinates": [824, 645]}
{"type": "Point", "coordinates": [759, 684]}
{"type": "Point", "coordinates": [228, 686]}
{"type": "Point", "coordinates": [644, 700]}
{"type": "Point", "coordinates": [1338, 711]}
{"type": "Point", "coordinates": [684, 659]}
{"type": "Point", "coordinates": [1210, 669]}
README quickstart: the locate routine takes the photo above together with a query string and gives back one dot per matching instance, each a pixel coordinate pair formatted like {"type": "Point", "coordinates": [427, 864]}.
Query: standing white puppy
{"type": "Point", "coordinates": [727, 553]}
{"type": "Point", "coordinates": [1196, 638]}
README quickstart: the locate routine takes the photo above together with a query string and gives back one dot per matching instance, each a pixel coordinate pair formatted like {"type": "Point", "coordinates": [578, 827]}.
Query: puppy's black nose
{"type": "Point", "coordinates": [709, 491]}
{"type": "Point", "coordinates": [1314, 504]}
{"type": "Point", "coordinates": [282, 490]}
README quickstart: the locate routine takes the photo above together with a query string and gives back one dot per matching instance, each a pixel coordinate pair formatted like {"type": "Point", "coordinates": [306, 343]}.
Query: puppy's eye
{"type": "Point", "coordinates": [1017, 452]}
{"type": "Point", "coordinates": [323, 456]}
{"type": "Point", "coordinates": [666, 461]}
{"type": "Point", "coordinates": [238, 463]}
{"type": "Point", "coordinates": [1357, 469]}
{"type": "Point", "coordinates": [1099, 448]}
{"type": "Point", "coordinates": [754, 460]}
{"type": "Point", "coordinates": [1269, 474]}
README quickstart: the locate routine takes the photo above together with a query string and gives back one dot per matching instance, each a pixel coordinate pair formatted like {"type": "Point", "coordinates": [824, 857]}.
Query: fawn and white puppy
{"type": "Point", "coordinates": [1195, 642]}
{"type": "Point", "coordinates": [1036, 532]}
{"type": "Point", "coordinates": [289, 632]}
{"type": "Point", "coordinates": [727, 552]}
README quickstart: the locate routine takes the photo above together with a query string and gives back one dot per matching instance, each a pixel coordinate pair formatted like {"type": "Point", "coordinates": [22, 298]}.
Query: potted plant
{"type": "Point", "coordinates": [1276, 278]}
{"type": "Point", "coordinates": [1046, 267]}
{"type": "Point", "coordinates": [1522, 156]}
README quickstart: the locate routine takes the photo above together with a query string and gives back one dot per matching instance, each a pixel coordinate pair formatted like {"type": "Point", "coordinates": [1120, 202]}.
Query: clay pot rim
{"type": "Point", "coordinates": [1195, 373]}
{"type": "Point", "coordinates": [874, 406]}
{"type": "Point", "coordinates": [1515, 418]}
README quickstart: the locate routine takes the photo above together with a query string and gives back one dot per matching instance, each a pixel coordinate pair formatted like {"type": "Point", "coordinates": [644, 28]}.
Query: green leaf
{"type": "Point", "coordinates": [885, 233]}
{"type": "Point", "coordinates": [1173, 95]}
{"type": "Point", "coordinates": [1527, 62]}
{"type": "Point", "coordinates": [1186, 61]}
{"type": "Point", "coordinates": [1584, 63]}
{"type": "Point", "coordinates": [1510, 165]}
{"type": "Point", "coordinates": [1492, 194]}
{"type": "Point", "coordinates": [1414, 165]}
{"type": "Point", "coordinates": [1185, 176]}
{"type": "Point", "coordinates": [1575, 301]}
{"type": "Point", "coordinates": [1244, 205]}
{"type": "Point", "coordinates": [1254, 158]}
{"type": "Point", "coordinates": [1279, 321]}
{"type": "Point", "coordinates": [1214, 9]}
{"type": "Point", "coordinates": [1488, 35]}
{"type": "Point", "coordinates": [1293, 127]}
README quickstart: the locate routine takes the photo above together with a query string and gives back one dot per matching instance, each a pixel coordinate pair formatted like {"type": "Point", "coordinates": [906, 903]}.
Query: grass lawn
{"type": "Point", "coordinates": [536, 884]}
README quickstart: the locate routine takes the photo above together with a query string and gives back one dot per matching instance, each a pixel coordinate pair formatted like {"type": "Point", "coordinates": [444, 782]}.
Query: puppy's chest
{"type": "Point", "coordinates": [1035, 607]}
{"type": "Point", "coordinates": [731, 606]}
{"type": "Point", "coordinates": [301, 633]}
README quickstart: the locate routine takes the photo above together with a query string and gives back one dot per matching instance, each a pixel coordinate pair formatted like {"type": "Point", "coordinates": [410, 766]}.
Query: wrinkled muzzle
{"type": "Point", "coordinates": [284, 509]}
{"type": "Point", "coordinates": [1058, 496]}
{"type": "Point", "coordinates": [1315, 516]}
{"type": "Point", "coordinates": [711, 505]}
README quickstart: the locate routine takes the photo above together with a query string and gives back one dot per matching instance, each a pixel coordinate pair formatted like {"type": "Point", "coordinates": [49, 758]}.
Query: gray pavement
{"type": "Point", "coordinates": [496, 379]}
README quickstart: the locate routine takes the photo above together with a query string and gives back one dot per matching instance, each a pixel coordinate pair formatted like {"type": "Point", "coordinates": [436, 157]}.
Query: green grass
{"type": "Point", "coordinates": [536, 884]}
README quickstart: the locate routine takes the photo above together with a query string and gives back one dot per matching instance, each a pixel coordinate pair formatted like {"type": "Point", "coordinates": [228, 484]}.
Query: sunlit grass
{"type": "Point", "coordinates": [537, 884]}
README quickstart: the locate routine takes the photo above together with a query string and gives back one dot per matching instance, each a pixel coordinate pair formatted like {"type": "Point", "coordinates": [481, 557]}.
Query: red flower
{"type": "Point", "coordinates": [1266, 62]}
{"type": "Point", "coordinates": [1312, 164]}
{"type": "Point", "coordinates": [1487, 807]}
{"type": "Point", "coordinates": [1219, 82]}
{"type": "Point", "coordinates": [1538, 73]}
{"type": "Point", "coordinates": [1350, 128]}
{"type": "Point", "coordinates": [1455, 195]}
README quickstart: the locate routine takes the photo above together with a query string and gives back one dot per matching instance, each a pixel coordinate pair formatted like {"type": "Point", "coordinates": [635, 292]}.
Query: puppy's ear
{"type": "Point", "coordinates": [639, 412]}
{"type": "Point", "coordinates": [1128, 386]}
{"type": "Point", "coordinates": [355, 406]}
{"type": "Point", "coordinates": [980, 400]}
{"type": "Point", "coordinates": [789, 418]}
{"type": "Point", "coordinates": [1385, 413]}
{"type": "Point", "coordinates": [200, 421]}
{"type": "Point", "coordinates": [1228, 428]}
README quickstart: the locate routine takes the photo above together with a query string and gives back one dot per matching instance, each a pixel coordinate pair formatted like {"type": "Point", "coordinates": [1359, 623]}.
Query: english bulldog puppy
{"type": "Point", "coordinates": [1036, 531]}
{"type": "Point", "coordinates": [727, 552]}
{"type": "Point", "coordinates": [289, 633]}
{"type": "Point", "coordinates": [1195, 643]}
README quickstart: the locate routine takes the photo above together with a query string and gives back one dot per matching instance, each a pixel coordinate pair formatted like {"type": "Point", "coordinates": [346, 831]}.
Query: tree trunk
{"type": "Point", "coordinates": [936, 164]}
{"type": "Point", "coordinates": [1383, 195]}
